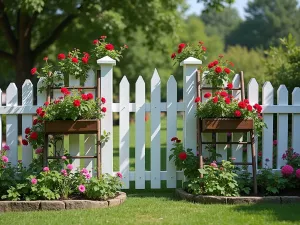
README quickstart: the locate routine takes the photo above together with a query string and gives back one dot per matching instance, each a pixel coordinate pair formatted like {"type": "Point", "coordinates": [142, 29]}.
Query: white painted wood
{"type": "Point", "coordinates": [282, 126]}
{"type": "Point", "coordinates": [0, 119]}
{"type": "Point", "coordinates": [27, 99]}
{"type": "Point", "coordinates": [237, 150]}
{"type": "Point", "coordinates": [124, 131]}
{"type": "Point", "coordinates": [155, 130]}
{"type": "Point", "coordinates": [267, 142]}
{"type": "Point", "coordinates": [90, 139]}
{"type": "Point", "coordinates": [41, 96]}
{"type": "Point", "coordinates": [221, 148]}
{"type": "Point", "coordinates": [74, 140]}
{"type": "Point", "coordinates": [253, 97]}
{"type": "Point", "coordinates": [12, 124]}
{"type": "Point", "coordinates": [140, 134]}
{"type": "Point", "coordinates": [171, 129]}
{"type": "Point", "coordinates": [106, 64]}
{"type": "Point", "coordinates": [296, 120]}
{"type": "Point", "coordinates": [190, 66]}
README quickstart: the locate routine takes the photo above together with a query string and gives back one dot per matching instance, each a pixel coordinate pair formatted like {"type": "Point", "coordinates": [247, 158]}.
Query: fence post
{"type": "Point", "coordinates": [106, 64]}
{"type": "Point", "coordinates": [190, 67]}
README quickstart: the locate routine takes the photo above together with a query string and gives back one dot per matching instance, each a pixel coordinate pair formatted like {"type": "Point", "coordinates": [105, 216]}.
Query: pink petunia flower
{"type": "Point", "coordinates": [46, 169]}
{"type": "Point", "coordinates": [287, 170]}
{"type": "Point", "coordinates": [69, 166]}
{"type": "Point", "coordinates": [88, 176]}
{"type": "Point", "coordinates": [33, 181]}
{"type": "Point", "coordinates": [84, 171]}
{"type": "Point", "coordinates": [119, 175]}
{"type": "Point", "coordinates": [64, 172]}
{"type": "Point", "coordinates": [81, 188]}
{"type": "Point", "coordinates": [4, 159]}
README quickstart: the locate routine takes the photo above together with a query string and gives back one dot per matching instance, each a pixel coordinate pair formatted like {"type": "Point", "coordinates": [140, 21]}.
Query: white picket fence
{"type": "Point", "coordinates": [155, 107]}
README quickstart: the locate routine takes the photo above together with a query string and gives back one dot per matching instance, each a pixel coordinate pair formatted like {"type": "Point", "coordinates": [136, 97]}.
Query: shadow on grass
{"type": "Point", "coordinates": [280, 212]}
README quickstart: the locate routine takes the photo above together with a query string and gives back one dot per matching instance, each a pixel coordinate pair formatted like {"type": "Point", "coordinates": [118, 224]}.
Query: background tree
{"type": "Point", "coordinates": [266, 22]}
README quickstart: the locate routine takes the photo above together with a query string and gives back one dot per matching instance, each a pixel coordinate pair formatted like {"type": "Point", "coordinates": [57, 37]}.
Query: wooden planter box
{"type": "Point", "coordinates": [71, 127]}
{"type": "Point", "coordinates": [226, 125]}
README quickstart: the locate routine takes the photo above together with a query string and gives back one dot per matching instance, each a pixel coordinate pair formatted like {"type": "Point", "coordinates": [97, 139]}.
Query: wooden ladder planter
{"type": "Point", "coordinates": [226, 125]}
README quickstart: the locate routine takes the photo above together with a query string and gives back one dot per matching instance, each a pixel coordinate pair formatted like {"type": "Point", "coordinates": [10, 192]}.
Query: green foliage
{"type": "Point", "coordinates": [282, 63]}
{"type": "Point", "coordinates": [104, 188]}
{"type": "Point", "coordinates": [185, 50]}
{"type": "Point", "coordinates": [218, 5]}
{"type": "Point", "coordinates": [220, 181]}
{"type": "Point", "coordinates": [244, 180]}
{"type": "Point", "coordinates": [292, 158]}
{"type": "Point", "coordinates": [270, 183]}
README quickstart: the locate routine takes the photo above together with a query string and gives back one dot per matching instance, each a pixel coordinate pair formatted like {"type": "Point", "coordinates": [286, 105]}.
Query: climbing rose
{"type": "Point", "coordinates": [178, 141]}
{"type": "Point", "coordinates": [103, 100]}
{"type": "Point", "coordinates": [74, 60]}
{"type": "Point", "coordinates": [90, 96]}
{"type": "Point", "coordinates": [207, 95]}
{"type": "Point", "coordinates": [61, 56]}
{"type": "Point", "coordinates": [84, 171]}
{"type": "Point", "coordinates": [275, 142]}
{"type": "Point", "coordinates": [181, 46]}
{"type": "Point", "coordinates": [109, 47]}
{"type": "Point", "coordinates": [64, 90]}
{"type": "Point", "coordinates": [173, 55]}
{"type": "Point", "coordinates": [215, 99]}
{"type": "Point", "coordinates": [76, 103]}
{"type": "Point", "coordinates": [226, 70]}
{"type": "Point", "coordinates": [103, 109]}
{"type": "Point", "coordinates": [33, 71]}
{"type": "Point", "coordinates": [34, 136]}
{"type": "Point", "coordinates": [27, 130]}
{"type": "Point", "coordinates": [96, 41]}
{"type": "Point", "coordinates": [298, 173]}
{"type": "Point", "coordinates": [224, 94]}
{"type": "Point", "coordinates": [237, 113]}
{"type": "Point", "coordinates": [84, 97]}
{"type": "Point", "coordinates": [204, 48]}
{"type": "Point", "coordinates": [242, 105]}
{"type": "Point", "coordinates": [33, 181]}
{"type": "Point", "coordinates": [218, 69]}
{"type": "Point", "coordinates": [215, 62]}
{"type": "Point", "coordinates": [85, 60]}
{"type": "Point", "coordinates": [249, 108]}
{"type": "Point", "coordinates": [287, 170]}
{"type": "Point", "coordinates": [214, 164]}
{"type": "Point", "coordinates": [35, 121]}
{"type": "Point", "coordinates": [246, 101]}
{"type": "Point", "coordinates": [211, 65]}
{"type": "Point", "coordinates": [229, 86]}
{"type": "Point", "coordinates": [81, 188]}
{"type": "Point", "coordinates": [182, 156]}
{"type": "Point", "coordinates": [4, 159]}
{"type": "Point", "coordinates": [227, 100]}
{"type": "Point", "coordinates": [197, 99]}
{"type": "Point", "coordinates": [119, 175]}
{"type": "Point", "coordinates": [24, 142]}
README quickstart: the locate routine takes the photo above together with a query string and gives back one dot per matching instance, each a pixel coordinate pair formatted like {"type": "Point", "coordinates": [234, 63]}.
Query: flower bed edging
{"type": "Point", "coordinates": [208, 199]}
{"type": "Point", "coordinates": [18, 206]}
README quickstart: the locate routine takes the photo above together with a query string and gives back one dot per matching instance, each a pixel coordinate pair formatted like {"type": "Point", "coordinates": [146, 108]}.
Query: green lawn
{"type": "Point", "coordinates": [161, 208]}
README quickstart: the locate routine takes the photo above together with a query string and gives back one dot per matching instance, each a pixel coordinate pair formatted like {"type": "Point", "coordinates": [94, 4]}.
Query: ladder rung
{"type": "Point", "coordinates": [73, 157]}
{"type": "Point", "coordinates": [228, 142]}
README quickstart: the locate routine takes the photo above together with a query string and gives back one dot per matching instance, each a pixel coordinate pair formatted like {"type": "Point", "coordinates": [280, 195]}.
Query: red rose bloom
{"type": "Point", "coordinates": [173, 55]}
{"type": "Point", "coordinates": [229, 86]}
{"type": "Point", "coordinates": [207, 95]}
{"type": "Point", "coordinates": [178, 141]}
{"type": "Point", "coordinates": [226, 70]}
{"type": "Point", "coordinates": [46, 103]}
{"type": "Point", "coordinates": [61, 56]}
{"type": "Point", "coordinates": [96, 41]}
{"type": "Point", "coordinates": [224, 94]}
{"type": "Point", "coordinates": [211, 65]}
{"type": "Point", "coordinates": [27, 130]}
{"type": "Point", "coordinates": [33, 71]}
{"type": "Point", "coordinates": [215, 99]}
{"type": "Point", "coordinates": [109, 47]}
{"type": "Point", "coordinates": [227, 100]}
{"type": "Point", "coordinates": [103, 100]}
{"type": "Point", "coordinates": [197, 99]}
{"type": "Point", "coordinates": [204, 48]}
{"type": "Point", "coordinates": [85, 60]}
{"type": "Point", "coordinates": [103, 109]}
{"type": "Point", "coordinates": [215, 62]}
{"type": "Point", "coordinates": [24, 142]}
{"type": "Point", "coordinates": [249, 108]}
{"type": "Point", "coordinates": [181, 46]}
{"type": "Point", "coordinates": [34, 135]}
{"type": "Point", "coordinates": [174, 139]}
{"type": "Point", "coordinates": [42, 114]}
{"type": "Point", "coordinates": [246, 101]}
{"type": "Point", "coordinates": [179, 50]}
{"type": "Point", "coordinates": [258, 108]}
{"type": "Point", "coordinates": [74, 60]}
{"type": "Point", "coordinates": [218, 69]}
{"type": "Point", "coordinates": [86, 55]}
{"type": "Point", "coordinates": [182, 156]}
{"type": "Point", "coordinates": [237, 113]}
{"type": "Point", "coordinates": [84, 97]}
{"type": "Point", "coordinates": [242, 105]}
{"type": "Point", "coordinates": [35, 121]}
{"type": "Point", "coordinates": [64, 90]}
{"type": "Point", "coordinates": [90, 96]}
{"type": "Point", "coordinates": [39, 110]}
{"type": "Point", "coordinates": [76, 103]}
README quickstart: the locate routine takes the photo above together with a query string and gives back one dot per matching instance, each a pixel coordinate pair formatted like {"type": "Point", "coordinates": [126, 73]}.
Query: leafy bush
{"type": "Point", "coordinates": [270, 183]}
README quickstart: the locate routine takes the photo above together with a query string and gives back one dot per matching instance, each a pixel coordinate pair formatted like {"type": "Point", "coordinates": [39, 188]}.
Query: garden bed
{"type": "Point", "coordinates": [209, 199]}
{"type": "Point", "coordinates": [17, 206]}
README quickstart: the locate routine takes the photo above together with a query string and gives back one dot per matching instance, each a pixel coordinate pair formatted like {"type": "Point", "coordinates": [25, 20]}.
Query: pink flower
{"type": "Point", "coordinates": [39, 151]}
{"type": "Point", "coordinates": [84, 171]}
{"type": "Point", "coordinates": [64, 172]}
{"type": "Point", "coordinates": [4, 159]}
{"type": "Point", "coordinates": [46, 169]}
{"type": "Point", "coordinates": [275, 142]}
{"type": "Point", "coordinates": [63, 157]}
{"type": "Point", "coordinates": [214, 164]}
{"type": "Point", "coordinates": [88, 176]}
{"type": "Point", "coordinates": [119, 175]}
{"type": "Point", "coordinates": [284, 156]}
{"type": "Point", "coordinates": [81, 188]}
{"type": "Point", "coordinates": [33, 181]}
{"type": "Point", "coordinates": [287, 170]}
{"type": "Point", "coordinates": [69, 166]}
{"type": "Point", "coordinates": [5, 147]}
{"type": "Point", "coordinates": [298, 173]}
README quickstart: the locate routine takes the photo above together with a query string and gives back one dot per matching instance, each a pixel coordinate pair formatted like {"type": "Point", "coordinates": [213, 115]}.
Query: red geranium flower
{"type": "Point", "coordinates": [174, 139]}
{"type": "Point", "coordinates": [181, 46]}
{"type": "Point", "coordinates": [197, 99]}
{"type": "Point", "coordinates": [173, 55]}
{"type": "Point", "coordinates": [96, 41]}
{"type": "Point", "coordinates": [24, 142]}
{"type": "Point", "coordinates": [74, 60]}
{"type": "Point", "coordinates": [85, 59]}
{"type": "Point", "coordinates": [182, 156]}
{"type": "Point", "coordinates": [27, 130]}
{"type": "Point", "coordinates": [204, 48]}
{"type": "Point", "coordinates": [229, 86]}
{"type": "Point", "coordinates": [227, 100]}
{"type": "Point", "coordinates": [61, 56]}
{"type": "Point", "coordinates": [226, 70]}
{"type": "Point", "coordinates": [224, 94]}
{"type": "Point", "coordinates": [109, 47]}
{"type": "Point", "coordinates": [207, 95]}
{"type": "Point", "coordinates": [90, 96]}
{"type": "Point", "coordinates": [242, 105]}
{"type": "Point", "coordinates": [249, 108]}
{"type": "Point", "coordinates": [215, 99]}
{"type": "Point", "coordinates": [103, 109]}
{"type": "Point", "coordinates": [237, 113]}
{"type": "Point", "coordinates": [218, 69]}
{"type": "Point", "coordinates": [76, 103]}
{"type": "Point", "coordinates": [211, 65]}
{"type": "Point", "coordinates": [33, 71]}
{"type": "Point", "coordinates": [84, 97]}
{"type": "Point", "coordinates": [34, 135]}
{"type": "Point", "coordinates": [103, 100]}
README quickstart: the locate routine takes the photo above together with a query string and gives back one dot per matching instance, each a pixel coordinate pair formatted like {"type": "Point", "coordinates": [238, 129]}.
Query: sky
{"type": "Point", "coordinates": [198, 7]}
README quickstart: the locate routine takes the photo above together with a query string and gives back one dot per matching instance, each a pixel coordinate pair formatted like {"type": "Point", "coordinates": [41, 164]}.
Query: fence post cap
{"type": "Point", "coordinates": [107, 61]}
{"type": "Point", "coordinates": [191, 61]}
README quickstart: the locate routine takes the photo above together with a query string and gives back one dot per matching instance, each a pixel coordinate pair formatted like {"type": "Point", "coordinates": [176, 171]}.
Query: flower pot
{"type": "Point", "coordinates": [72, 127]}
{"type": "Point", "coordinates": [226, 125]}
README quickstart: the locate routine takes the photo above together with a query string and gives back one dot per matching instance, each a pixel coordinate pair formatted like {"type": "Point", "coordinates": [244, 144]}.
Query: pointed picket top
{"type": "Point", "coordinates": [253, 91]}
{"type": "Point", "coordinates": [124, 81]}
{"type": "Point", "coordinates": [27, 93]}
{"type": "Point", "coordinates": [267, 94]}
{"type": "Point", "coordinates": [12, 95]}
{"type": "Point", "coordinates": [296, 96]}
{"type": "Point", "coordinates": [252, 82]}
{"type": "Point", "coordinates": [191, 61]}
{"type": "Point", "coordinates": [155, 77]}
{"type": "Point", "coordinates": [282, 95]}
{"type": "Point", "coordinates": [140, 80]}
{"type": "Point", "coordinates": [171, 80]}
{"type": "Point", "coordinates": [107, 61]}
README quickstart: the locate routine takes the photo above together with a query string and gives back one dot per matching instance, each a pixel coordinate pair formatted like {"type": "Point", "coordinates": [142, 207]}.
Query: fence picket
{"type": "Point", "coordinates": [171, 129]}
{"type": "Point", "coordinates": [27, 99]}
{"type": "Point", "coordinates": [296, 120]}
{"type": "Point", "coordinates": [282, 125]}
{"type": "Point", "coordinates": [12, 124]}
{"type": "Point", "coordinates": [155, 130]}
{"type": "Point", "coordinates": [140, 135]}
{"type": "Point", "coordinates": [90, 139]}
{"type": "Point", "coordinates": [124, 131]}
{"type": "Point", "coordinates": [268, 99]}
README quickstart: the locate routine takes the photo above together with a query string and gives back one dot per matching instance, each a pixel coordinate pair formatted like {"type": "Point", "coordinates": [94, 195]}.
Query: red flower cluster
{"type": "Point", "coordinates": [197, 99]}
{"type": "Point", "coordinates": [182, 156]}
{"type": "Point", "coordinates": [87, 97]}
{"type": "Point", "coordinates": [33, 71]}
{"type": "Point", "coordinates": [181, 46]}
{"type": "Point", "coordinates": [61, 56]}
{"type": "Point", "coordinates": [109, 47]}
{"type": "Point", "coordinates": [218, 69]}
{"type": "Point", "coordinates": [65, 91]}
{"type": "Point", "coordinates": [76, 103]}
{"type": "Point", "coordinates": [40, 112]}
